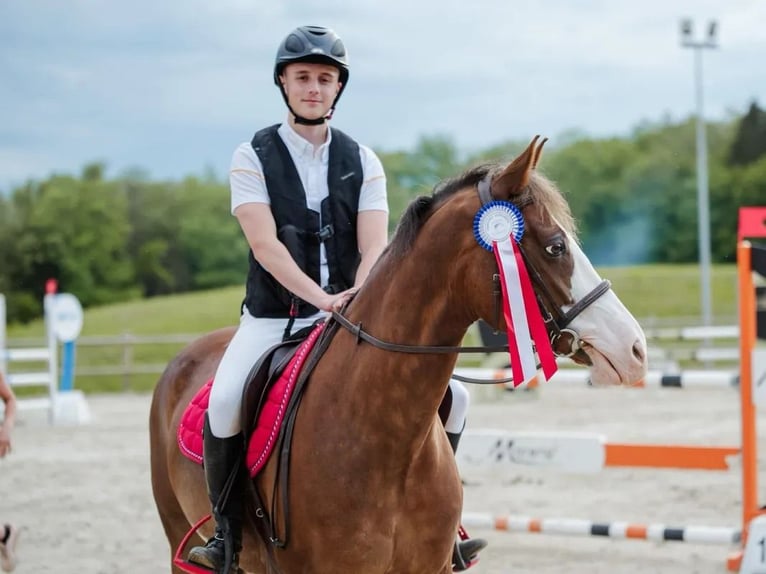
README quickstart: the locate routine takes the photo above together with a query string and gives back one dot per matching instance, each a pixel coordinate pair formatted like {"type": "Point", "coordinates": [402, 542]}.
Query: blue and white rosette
{"type": "Point", "coordinates": [497, 221]}
{"type": "Point", "coordinates": [498, 228]}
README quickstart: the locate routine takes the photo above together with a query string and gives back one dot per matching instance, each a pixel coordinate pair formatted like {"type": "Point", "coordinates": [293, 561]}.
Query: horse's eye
{"type": "Point", "coordinates": [556, 249]}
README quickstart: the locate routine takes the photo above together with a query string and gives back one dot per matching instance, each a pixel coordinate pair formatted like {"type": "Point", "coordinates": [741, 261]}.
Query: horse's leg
{"type": "Point", "coordinates": [172, 517]}
{"type": "Point", "coordinates": [173, 520]}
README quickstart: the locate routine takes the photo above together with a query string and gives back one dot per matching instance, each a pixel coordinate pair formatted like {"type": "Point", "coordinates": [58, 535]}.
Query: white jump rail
{"type": "Point", "coordinates": [615, 529]}
{"type": "Point", "coordinates": [577, 375]}
{"type": "Point", "coordinates": [46, 355]}
{"type": "Point", "coordinates": [694, 333]}
{"type": "Point", "coordinates": [67, 407]}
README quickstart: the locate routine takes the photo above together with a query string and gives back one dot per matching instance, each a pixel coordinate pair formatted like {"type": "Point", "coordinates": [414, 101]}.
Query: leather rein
{"type": "Point", "coordinates": [565, 341]}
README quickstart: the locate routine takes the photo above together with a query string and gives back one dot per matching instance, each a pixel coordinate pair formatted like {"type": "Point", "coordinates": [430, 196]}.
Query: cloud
{"type": "Point", "coordinates": [175, 86]}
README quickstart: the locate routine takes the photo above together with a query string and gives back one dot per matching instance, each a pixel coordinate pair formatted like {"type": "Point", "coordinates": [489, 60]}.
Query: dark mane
{"type": "Point", "coordinates": [422, 207]}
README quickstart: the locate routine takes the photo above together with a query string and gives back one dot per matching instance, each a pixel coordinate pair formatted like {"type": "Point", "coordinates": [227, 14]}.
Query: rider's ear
{"type": "Point", "coordinates": [514, 178]}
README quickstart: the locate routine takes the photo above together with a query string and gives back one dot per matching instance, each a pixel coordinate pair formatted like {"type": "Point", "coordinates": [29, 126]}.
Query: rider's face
{"type": "Point", "coordinates": [310, 88]}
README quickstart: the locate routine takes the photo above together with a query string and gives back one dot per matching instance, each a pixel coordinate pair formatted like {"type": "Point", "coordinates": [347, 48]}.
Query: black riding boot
{"type": "Point", "coordinates": [221, 553]}
{"type": "Point", "coordinates": [465, 551]}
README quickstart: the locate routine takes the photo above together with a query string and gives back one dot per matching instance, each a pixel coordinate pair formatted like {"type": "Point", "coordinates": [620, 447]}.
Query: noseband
{"type": "Point", "coordinates": [565, 341]}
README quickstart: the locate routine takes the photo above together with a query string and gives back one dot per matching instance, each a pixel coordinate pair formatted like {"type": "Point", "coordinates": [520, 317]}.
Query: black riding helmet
{"type": "Point", "coordinates": [314, 44]}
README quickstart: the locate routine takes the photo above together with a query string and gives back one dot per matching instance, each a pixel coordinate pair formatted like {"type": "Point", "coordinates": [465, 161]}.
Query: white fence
{"type": "Point", "coordinates": [63, 408]}
{"type": "Point", "coordinates": [668, 347]}
{"type": "Point", "coordinates": [43, 354]}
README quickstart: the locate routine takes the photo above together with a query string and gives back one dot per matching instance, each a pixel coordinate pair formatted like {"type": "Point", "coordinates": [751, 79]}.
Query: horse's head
{"type": "Point", "coordinates": [585, 319]}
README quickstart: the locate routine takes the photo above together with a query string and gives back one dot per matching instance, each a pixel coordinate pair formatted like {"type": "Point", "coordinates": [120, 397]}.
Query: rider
{"type": "Point", "coordinates": [312, 205]}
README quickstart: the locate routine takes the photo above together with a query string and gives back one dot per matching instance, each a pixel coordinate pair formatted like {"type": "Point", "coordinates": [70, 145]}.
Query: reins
{"type": "Point", "coordinates": [557, 326]}
{"type": "Point", "coordinates": [362, 335]}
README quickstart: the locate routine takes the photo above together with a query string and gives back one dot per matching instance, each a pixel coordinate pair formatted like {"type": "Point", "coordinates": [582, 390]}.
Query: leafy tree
{"type": "Point", "coordinates": [750, 141]}
{"type": "Point", "coordinates": [592, 174]}
{"type": "Point", "coordinates": [154, 213]}
{"type": "Point", "coordinates": [412, 174]}
{"type": "Point", "coordinates": [635, 199]}
{"type": "Point", "coordinates": [210, 239]}
{"type": "Point", "coordinates": [73, 231]}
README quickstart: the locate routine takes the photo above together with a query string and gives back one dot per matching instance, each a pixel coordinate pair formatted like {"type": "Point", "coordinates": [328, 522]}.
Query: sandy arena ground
{"type": "Point", "coordinates": [83, 493]}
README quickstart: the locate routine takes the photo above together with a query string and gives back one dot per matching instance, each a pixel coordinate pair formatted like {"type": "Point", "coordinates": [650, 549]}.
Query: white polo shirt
{"type": "Point", "coordinates": [248, 185]}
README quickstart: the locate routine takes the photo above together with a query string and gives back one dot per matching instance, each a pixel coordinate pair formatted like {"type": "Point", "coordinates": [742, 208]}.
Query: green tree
{"type": "Point", "coordinates": [73, 231]}
{"type": "Point", "coordinates": [750, 141]}
{"type": "Point", "coordinates": [409, 175]}
{"type": "Point", "coordinates": [211, 242]}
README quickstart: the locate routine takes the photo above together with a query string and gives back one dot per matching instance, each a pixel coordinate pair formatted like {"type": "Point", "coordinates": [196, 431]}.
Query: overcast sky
{"type": "Point", "coordinates": [173, 86]}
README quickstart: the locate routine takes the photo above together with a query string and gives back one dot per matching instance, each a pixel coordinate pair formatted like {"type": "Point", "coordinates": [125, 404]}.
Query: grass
{"type": "Point", "coordinates": [653, 293]}
{"type": "Point", "coordinates": [189, 313]}
{"type": "Point", "coordinates": [673, 291]}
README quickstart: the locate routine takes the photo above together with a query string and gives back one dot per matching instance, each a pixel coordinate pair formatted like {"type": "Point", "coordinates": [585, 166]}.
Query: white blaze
{"type": "Point", "coordinates": [607, 326]}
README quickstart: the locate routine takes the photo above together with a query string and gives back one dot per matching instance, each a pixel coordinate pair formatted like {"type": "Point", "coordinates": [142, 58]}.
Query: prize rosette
{"type": "Point", "coordinates": [496, 221]}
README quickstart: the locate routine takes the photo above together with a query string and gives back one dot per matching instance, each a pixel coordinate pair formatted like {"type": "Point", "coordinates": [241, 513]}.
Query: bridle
{"type": "Point", "coordinates": [565, 341]}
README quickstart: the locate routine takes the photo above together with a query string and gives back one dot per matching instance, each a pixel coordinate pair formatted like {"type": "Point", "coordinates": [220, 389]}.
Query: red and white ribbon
{"type": "Point", "coordinates": [524, 322]}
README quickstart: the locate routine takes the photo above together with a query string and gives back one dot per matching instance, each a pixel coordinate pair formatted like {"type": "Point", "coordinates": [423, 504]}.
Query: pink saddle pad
{"type": "Point", "coordinates": [262, 441]}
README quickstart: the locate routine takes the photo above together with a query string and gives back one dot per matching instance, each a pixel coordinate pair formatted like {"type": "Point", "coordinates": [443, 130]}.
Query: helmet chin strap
{"type": "Point", "coordinates": [306, 121]}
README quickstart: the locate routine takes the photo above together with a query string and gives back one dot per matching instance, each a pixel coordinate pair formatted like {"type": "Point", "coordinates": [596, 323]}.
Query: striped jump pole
{"type": "Point", "coordinates": [623, 530]}
{"type": "Point", "coordinates": [694, 333]}
{"type": "Point", "coordinates": [654, 379]}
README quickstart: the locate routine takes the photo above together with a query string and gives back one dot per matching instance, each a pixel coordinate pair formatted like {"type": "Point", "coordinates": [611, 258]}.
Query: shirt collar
{"type": "Point", "coordinates": [303, 147]}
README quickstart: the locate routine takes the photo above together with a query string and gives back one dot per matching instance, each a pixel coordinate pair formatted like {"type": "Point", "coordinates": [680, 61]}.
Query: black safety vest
{"type": "Point", "coordinates": [298, 227]}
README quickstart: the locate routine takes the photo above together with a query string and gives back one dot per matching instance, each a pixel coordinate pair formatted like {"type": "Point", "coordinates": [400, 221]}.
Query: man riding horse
{"type": "Point", "coordinates": [312, 204]}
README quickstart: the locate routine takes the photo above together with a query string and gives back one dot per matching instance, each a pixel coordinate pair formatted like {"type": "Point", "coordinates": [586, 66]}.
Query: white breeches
{"type": "Point", "coordinates": [252, 338]}
{"type": "Point", "coordinates": [459, 409]}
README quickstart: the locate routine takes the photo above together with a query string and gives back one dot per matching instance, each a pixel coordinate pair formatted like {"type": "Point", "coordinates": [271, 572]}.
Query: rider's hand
{"type": "Point", "coordinates": [344, 297]}
{"type": "Point", "coordinates": [337, 301]}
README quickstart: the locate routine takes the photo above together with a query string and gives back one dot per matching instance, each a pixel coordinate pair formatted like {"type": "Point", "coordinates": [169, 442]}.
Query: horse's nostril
{"type": "Point", "coordinates": [638, 351]}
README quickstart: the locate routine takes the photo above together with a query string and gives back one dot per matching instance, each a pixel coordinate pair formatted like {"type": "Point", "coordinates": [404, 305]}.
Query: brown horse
{"type": "Point", "coordinates": [374, 487]}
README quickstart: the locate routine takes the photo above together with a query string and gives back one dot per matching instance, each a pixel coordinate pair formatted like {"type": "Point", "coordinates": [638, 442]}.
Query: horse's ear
{"type": "Point", "coordinates": [515, 177]}
{"type": "Point", "coordinates": [538, 153]}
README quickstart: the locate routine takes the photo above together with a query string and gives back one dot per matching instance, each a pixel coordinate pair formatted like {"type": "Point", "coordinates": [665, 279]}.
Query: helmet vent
{"type": "Point", "coordinates": [338, 49]}
{"type": "Point", "coordinates": [294, 44]}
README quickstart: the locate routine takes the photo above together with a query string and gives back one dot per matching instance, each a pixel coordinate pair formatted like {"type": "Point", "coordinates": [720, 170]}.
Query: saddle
{"type": "Point", "coordinates": [267, 400]}
{"type": "Point", "coordinates": [267, 371]}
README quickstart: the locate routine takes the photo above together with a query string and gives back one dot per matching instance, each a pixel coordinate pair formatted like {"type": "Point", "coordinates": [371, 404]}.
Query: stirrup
{"type": "Point", "coordinates": [192, 567]}
{"type": "Point", "coordinates": [216, 556]}
{"type": "Point", "coordinates": [465, 553]}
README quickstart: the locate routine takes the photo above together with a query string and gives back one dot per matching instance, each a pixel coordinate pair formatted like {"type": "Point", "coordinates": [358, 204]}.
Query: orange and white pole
{"type": "Point", "coordinates": [747, 315]}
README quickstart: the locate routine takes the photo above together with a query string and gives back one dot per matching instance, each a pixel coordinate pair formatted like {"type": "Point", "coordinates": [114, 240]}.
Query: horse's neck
{"type": "Point", "coordinates": [410, 303]}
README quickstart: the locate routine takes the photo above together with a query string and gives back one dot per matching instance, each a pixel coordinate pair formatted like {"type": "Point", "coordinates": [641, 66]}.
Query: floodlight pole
{"type": "Point", "coordinates": [703, 201]}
